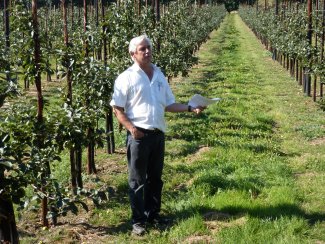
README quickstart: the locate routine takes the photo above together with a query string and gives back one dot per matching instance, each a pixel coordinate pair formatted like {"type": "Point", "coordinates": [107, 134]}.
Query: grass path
{"type": "Point", "coordinates": [300, 128]}
{"type": "Point", "coordinates": [265, 164]}
{"type": "Point", "coordinates": [250, 169]}
{"type": "Point", "coordinates": [299, 122]}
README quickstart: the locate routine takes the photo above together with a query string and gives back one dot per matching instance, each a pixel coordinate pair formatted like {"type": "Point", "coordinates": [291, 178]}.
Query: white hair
{"type": "Point", "coordinates": [136, 41]}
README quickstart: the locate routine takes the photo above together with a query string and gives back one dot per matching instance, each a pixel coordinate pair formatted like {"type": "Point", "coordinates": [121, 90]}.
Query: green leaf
{"type": "Point", "coordinates": [6, 164]}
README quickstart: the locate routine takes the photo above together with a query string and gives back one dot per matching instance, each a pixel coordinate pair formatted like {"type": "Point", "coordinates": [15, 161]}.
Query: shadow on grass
{"type": "Point", "coordinates": [277, 211]}
{"type": "Point", "coordinates": [262, 212]}
{"type": "Point", "coordinates": [227, 131]}
{"type": "Point", "coordinates": [225, 214]}
{"type": "Point", "coordinates": [25, 234]}
{"type": "Point", "coordinates": [123, 227]}
{"type": "Point", "coordinates": [85, 229]}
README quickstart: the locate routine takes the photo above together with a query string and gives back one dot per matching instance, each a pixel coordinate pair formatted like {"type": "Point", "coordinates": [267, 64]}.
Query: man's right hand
{"type": "Point", "coordinates": [124, 120]}
{"type": "Point", "coordinates": [136, 134]}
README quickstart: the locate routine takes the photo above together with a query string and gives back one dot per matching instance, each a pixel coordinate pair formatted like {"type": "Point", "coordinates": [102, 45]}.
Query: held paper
{"type": "Point", "coordinates": [199, 100]}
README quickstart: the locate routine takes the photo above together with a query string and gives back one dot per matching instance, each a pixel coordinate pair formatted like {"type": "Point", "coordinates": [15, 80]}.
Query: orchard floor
{"type": "Point", "coordinates": [250, 169]}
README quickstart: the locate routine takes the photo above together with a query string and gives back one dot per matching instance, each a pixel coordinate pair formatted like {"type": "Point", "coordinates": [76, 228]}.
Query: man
{"type": "Point", "coordinates": [141, 96]}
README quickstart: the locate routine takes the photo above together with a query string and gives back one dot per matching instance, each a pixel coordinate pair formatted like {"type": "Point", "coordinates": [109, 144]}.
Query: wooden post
{"type": "Point", "coordinates": [48, 73]}
{"type": "Point", "coordinates": [307, 84]}
{"type": "Point", "coordinates": [322, 49]}
{"type": "Point", "coordinates": [37, 58]}
{"type": "Point", "coordinates": [316, 44]}
{"type": "Point", "coordinates": [157, 10]}
{"type": "Point", "coordinates": [69, 95]}
{"type": "Point", "coordinates": [90, 131]}
{"type": "Point", "coordinates": [109, 114]}
{"type": "Point", "coordinates": [7, 33]}
{"type": "Point", "coordinates": [72, 15]}
{"type": "Point", "coordinates": [276, 7]}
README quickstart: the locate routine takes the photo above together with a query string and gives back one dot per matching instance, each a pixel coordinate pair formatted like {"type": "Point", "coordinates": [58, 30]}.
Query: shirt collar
{"type": "Point", "coordinates": [136, 67]}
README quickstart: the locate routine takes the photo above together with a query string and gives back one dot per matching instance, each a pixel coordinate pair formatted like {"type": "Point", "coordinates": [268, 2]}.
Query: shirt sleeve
{"type": "Point", "coordinates": [170, 98]}
{"type": "Point", "coordinates": [119, 96]}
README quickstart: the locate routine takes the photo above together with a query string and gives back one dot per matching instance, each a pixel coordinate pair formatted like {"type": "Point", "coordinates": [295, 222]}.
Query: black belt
{"type": "Point", "coordinates": [151, 131]}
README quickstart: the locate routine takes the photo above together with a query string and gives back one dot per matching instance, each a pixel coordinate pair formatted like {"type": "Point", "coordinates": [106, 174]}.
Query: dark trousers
{"type": "Point", "coordinates": [145, 164]}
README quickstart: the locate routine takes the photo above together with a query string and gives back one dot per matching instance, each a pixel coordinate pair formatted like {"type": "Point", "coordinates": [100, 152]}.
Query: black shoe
{"type": "Point", "coordinates": [159, 220]}
{"type": "Point", "coordinates": [138, 229]}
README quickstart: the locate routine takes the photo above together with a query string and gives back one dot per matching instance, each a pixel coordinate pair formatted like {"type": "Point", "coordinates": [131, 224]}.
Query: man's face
{"type": "Point", "coordinates": [142, 55]}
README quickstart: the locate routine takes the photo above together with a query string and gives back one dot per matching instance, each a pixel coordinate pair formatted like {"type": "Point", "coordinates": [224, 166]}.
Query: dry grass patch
{"type": "Point", "coordinates": [199, 239]}
{"type": "Point", "coordinates": [215, 221]}
{"type": "Point", "coordinates": [197, 155]}
{"type": "Point", "coordinates": [318, 141]}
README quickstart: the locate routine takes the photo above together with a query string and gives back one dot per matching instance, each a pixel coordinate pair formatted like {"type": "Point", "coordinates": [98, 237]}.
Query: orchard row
{"type": "Point", "coordinates": [294, 32]}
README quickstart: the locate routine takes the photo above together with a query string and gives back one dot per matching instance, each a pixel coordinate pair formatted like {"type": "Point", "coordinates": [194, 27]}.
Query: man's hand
{"type": "Point", "coordinates": [198, 109]}
{"type": "Point", "coordinates": [136, 134]}
{"type": "Point", "coordinates": [180, 107]}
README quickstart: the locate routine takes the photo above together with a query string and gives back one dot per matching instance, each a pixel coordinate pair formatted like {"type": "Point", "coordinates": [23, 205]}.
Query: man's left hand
{"type": "Point", "coordinates": [198, 109]}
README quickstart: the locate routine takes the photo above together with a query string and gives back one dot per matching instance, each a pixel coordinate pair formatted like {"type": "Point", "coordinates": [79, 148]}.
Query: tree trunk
{"type": "Point", "coordinates": [110, 131]}
{"type": "Point", "coordinates": [78, 165]}
{"type": "Point", "coordinates": [73, 171]}
{"type": "Point", "coordinates": [8, 228]}
{"type": "Point", "coordinates": [91, 152]}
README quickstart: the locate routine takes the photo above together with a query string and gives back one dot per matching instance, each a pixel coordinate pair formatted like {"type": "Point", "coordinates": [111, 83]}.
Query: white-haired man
{"type": "Point", "coordinates": [141, 97]}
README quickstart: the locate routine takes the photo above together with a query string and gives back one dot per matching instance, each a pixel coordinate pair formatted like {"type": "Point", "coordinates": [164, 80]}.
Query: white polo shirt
{"type": "Point", "coordinates": [144, 101]}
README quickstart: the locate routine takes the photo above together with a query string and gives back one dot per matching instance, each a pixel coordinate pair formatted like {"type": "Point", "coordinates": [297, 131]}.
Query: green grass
{"type": "Point", "coordinates": [250, 169]}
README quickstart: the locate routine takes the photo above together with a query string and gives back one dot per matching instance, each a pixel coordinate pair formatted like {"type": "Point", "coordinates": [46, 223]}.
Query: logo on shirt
{"type": "Point", "coordinates": [160, 85]}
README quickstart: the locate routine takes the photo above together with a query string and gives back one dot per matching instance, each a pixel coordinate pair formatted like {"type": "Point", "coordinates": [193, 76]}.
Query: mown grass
{"type": "Point", "coordinates": [249, 169]}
